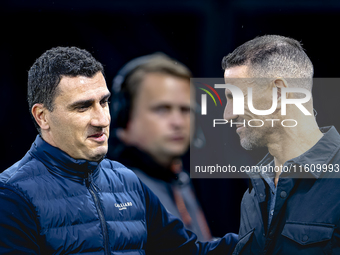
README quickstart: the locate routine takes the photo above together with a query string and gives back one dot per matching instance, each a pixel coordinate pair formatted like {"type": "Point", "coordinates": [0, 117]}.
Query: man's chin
{"type": "Point", "coordinates": [97, 155]}
{"type": "Point", "coordinates": [251, 144]}
{"type": "Point", "coordinates": [176, 152]}
{"type": "Point", "coordinates": [247, 146]}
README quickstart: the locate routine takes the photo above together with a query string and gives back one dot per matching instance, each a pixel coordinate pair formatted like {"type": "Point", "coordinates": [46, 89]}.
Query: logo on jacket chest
{"type": "Point", "coordinates": [123, 206]}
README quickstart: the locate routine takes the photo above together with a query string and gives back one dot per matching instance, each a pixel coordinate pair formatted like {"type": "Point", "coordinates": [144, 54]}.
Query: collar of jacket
{"type": "Point", "coordinates": [61, 163]}
{"type": "Point", "coordinates": [321, 153]}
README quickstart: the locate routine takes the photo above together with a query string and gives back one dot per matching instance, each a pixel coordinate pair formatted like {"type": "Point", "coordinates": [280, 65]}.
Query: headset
{"type": "Point", "coordinates": [120, 106]}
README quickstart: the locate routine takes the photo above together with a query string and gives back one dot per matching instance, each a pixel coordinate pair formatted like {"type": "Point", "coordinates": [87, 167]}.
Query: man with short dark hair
{"type": "Point", "coordinates": [63, 196]}
{"type": "Point", "coordinates": [287, 208]}
{"type": "Point", "coordinates": [151, 132]}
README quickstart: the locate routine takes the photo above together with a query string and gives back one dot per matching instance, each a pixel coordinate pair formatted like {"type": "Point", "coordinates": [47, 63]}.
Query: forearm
{"type": "Point", "coordinates": [167, 234]}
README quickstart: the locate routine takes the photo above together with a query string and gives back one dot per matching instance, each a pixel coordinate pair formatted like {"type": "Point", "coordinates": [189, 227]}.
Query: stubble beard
{"type": "Point", "coordinates": [251, 139]}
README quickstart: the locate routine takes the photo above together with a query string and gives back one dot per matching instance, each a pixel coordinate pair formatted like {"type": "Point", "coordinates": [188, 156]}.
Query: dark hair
{"type": "Point", "coordinates": [271, 55]}
{"type": "Point", "coordinates": [47, 71]}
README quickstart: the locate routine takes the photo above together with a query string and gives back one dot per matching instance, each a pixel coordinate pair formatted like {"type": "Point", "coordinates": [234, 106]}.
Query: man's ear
{"type": "Point", "coordinates": [39, 113]}
{"type": "Point", "coordinates": [280, 83]}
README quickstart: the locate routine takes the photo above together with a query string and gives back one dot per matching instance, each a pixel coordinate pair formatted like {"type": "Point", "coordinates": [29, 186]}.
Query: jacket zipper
{"type": "Point", "coordinates": [92, 188]}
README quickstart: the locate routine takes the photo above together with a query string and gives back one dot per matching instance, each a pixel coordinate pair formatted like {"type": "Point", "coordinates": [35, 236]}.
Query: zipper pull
{"type": "Point", "coordinates": [91, 183]}
{"type": "Point", "coordinates": [88, 180]}
{"type": "Point", "coordinates": [94, 186]}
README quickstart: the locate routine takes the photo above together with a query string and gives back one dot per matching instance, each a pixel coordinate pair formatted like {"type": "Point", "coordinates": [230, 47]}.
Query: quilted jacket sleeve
{"type": "Point", "coordinates": [167, 234]}
{"type": "Point", "coordinates": [18, 229]}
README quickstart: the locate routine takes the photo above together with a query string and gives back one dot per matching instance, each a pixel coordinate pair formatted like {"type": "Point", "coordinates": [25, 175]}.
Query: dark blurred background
{"type": "Point", "coordinates": [198, 33]}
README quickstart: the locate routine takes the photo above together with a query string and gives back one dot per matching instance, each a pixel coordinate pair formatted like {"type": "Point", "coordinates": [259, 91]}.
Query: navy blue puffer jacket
{"type": "Point", "coordinates": [54, 204]}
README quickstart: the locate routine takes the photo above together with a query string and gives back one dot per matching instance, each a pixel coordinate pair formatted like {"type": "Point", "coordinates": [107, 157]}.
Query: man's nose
{"type": "Point", "coordinates": [178, 118]}
{"type": "Point", "coordinates": [228, 112]}
{"type": "Point", "coordinates": [100, 117]}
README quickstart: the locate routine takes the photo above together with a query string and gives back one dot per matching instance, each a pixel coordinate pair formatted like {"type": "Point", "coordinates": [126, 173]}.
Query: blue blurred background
{"type": "Point", "coordinates": [198, 33]}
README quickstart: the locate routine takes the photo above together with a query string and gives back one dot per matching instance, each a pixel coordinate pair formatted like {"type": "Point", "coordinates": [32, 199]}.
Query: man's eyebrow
{"type": "Point", "coordinates": [87, 102]}
{"type": "Point", "coordinates": [105, 96]}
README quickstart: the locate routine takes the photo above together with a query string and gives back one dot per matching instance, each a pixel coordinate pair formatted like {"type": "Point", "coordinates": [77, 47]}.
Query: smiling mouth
{"type": "Point", "coordinates": [99, 137]}
{"type": "Point", "coordinates": [238, 128]}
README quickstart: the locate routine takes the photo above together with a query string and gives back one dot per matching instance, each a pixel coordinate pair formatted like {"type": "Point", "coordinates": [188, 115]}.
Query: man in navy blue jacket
{"type": "Point", "coordinates": [292, 205]}
{"type": "Point", "coordinates": [64, 197]}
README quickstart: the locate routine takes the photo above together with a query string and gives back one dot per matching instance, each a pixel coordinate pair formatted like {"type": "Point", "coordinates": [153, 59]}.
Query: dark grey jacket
{"type": "Point", "coordinates": [307, 209]}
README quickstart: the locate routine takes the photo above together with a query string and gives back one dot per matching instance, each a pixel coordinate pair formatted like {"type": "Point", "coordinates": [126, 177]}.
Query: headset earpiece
{"type": "Point", "coordinates": [121, 100]}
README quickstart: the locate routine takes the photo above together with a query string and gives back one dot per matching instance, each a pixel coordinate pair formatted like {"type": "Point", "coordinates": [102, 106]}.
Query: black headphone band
{"type": "Point", "coordinates": [121, 99]}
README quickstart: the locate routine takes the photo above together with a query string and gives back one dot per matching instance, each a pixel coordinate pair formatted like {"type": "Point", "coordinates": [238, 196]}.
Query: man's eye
{"type": "Point", "coordinates": [82, 108]}
{"type": "Point", "coordinates": [186, 110]}
{"type": "Point", "coordinates": [162, 109]}
{"type": "Point", "coordinates": [105, 102]}
{"type": "Point", "coordinates": [229, 96]}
